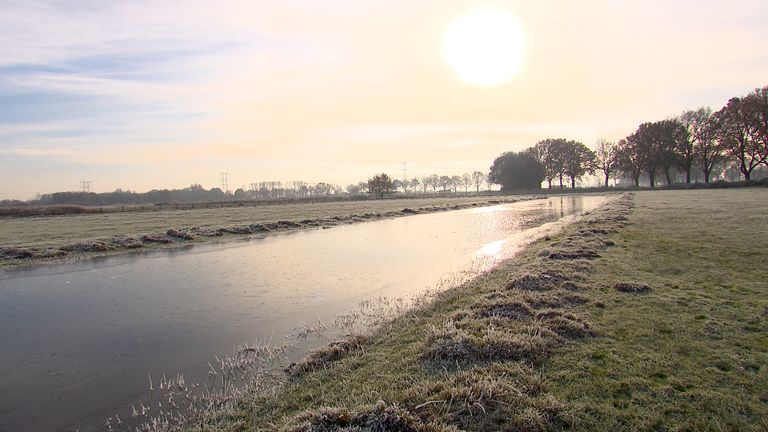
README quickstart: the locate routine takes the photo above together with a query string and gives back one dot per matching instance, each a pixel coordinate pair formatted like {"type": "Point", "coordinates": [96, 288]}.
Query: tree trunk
{"type": "Point", "coordinates": [744, 170]}
{"type": "Point", "coordinates": [573, 182]}
{"type": "Point", "coordinates": [606, 180]}
{"type": "Point", "coordinates": [561, 181]}
{"type": "Point", "coordinates": [651, 180]}
{"type": "Point", "coordinates": [688, 174]}
{"type": "Point", "coordinates": [669, 178]}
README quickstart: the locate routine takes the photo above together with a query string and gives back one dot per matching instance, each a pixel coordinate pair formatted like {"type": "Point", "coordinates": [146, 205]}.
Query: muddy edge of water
{"type": "Point", "coordinates": [184, 237]}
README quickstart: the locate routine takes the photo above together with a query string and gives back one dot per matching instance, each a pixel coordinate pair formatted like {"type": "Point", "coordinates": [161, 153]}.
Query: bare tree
{"type": "Point", "coordinates": [415, 184]}
{"type": "Point", "coordinates": [435, 181]}
{"type": "Point", "coordinates": [425, 182]}
{"type": "Point", "coordinates": [477, 179]}
{"type": "Point", "coordinates": [606, 153]}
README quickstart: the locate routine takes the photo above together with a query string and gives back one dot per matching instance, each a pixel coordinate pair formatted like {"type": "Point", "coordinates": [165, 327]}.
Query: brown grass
{"type": "Point", "coordinates": [324, 357]}
{"type": "Point", "coordinates": [380, 417]}
{"type": "Point", "coordinates": [632, 287]}
{"type": "Point", "coordinates": [508, 396]}
{"type": "Point", "coordinates": [47, 210]}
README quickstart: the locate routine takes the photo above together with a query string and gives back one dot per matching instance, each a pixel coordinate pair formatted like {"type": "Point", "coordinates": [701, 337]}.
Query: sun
{"type": "Point", "coordinates": [484, 47]}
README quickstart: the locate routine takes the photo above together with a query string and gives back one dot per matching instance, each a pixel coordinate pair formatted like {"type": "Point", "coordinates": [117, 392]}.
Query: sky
{"type": "Point", "coordinates": [162, 94]}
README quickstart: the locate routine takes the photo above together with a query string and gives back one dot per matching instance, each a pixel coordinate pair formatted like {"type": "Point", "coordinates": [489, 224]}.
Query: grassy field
{"type": "Point", "coordinates": [52, 232]}
{"type": "Point", "coordinates": [549, 341]}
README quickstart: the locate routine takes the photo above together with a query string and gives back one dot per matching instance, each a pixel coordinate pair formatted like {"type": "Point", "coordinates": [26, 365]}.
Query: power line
{"type": "Point", "coordinates": [85, 185]}
{"type": "Point", "coordinates": [224, 181]}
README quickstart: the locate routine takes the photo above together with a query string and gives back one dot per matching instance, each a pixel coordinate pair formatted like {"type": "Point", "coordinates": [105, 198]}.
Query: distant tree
{"type": "Point", "coordinates": [644, 143]}
{"type": "Point", "coordinates": [672, 136]}
{"type": "Point", "coordinates": [760, 173]}
{"type": "Point", "coordinates": [628, 159]}
{"type": "Point", "coordinates": [606, 158]}
{"type": "Point", "coordinates": [397, 184]}
{"type": "Point", "coordinates": [455, 182]}
{"type": "Point", "coordinates": [303, 190]}
{"type": "Point", "coordinates": [758, 108]}
{"type": "Point", "coordinates": [517, 171]}
{"type": "Point", "coordinates": [477, 179]}
{"type": "Point", "coordinates": [578, 160]}
{"type": "Point", "coordinates": [435, 182]}
{"type": "Point", "coordinates": [415, 184]}
{"type": "Point", "coordinates": [319, 189]}
{"type": "Point", "coordinates": [736, 124]}
{"type": "Point", "coordinates": [732, 172]}
{"type": "Point", "coordinates": [380, 184]}
{"type": "Point", "coordinates": [425, 182]}
{"type": "Point", "coordinates": [707, 149]}
{"type": "Point", "coordinates": [549, 153]}
{"type": "Point", "coordinates": [445, 182]}
{"type": "Point", "coordinates": [488, 181]}
{"type": "Point", "coordinates": [241, 194]}
{"type": "Point", "coordinates": [353, 189]}
{"type": "Point", "coordinates": [561, 158]}
{"type": "Point", "coordinates": [466, 181]}
{"type": "Point", "coordinates": [697, 125]}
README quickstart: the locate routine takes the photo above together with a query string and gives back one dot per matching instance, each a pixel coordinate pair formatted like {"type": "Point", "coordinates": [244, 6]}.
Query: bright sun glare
{"type": "Point", "coordinates": [484, 47]}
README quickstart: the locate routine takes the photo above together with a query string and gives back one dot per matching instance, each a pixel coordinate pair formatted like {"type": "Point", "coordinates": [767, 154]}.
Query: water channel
{"type": "Point", "coordinates": [78, 340]}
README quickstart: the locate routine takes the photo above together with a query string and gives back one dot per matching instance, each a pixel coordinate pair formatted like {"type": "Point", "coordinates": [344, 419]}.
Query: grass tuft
{"type": "Point", "coordinates": [324, 357]}
{"type": "Point", "coordinates": [632, 287]}
{"type": "Point", "coordinates": [377, 418]}
{"type": "Point", "coordinates": [508, 396]}
{"type": "Point", "coordinates": [452, 344]}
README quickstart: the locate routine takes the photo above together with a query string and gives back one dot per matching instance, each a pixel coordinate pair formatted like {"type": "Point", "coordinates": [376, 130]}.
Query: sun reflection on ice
{"type": "Point", "coordinates": [492, 249]}
{"type": "Point", "coordinates": [489, 209]}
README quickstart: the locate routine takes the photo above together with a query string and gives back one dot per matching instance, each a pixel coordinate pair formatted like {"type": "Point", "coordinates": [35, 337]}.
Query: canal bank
{"type": "Point", "coordinates": [648, 314]}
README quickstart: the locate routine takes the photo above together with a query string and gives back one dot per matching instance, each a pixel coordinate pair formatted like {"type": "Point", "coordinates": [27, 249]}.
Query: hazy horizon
{"type": "Point", "coordinates": [150, 95]}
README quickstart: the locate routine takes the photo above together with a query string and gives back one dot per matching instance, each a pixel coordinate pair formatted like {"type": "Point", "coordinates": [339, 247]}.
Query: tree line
{"type": "Point", "coordinates": [265, 190]}
{"type": "Point", "coordinates": [735, 138]}
{"type": "Point", "coordinates": [193, 193]}
{"type": "Point", "coordinates": [382, 183]}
